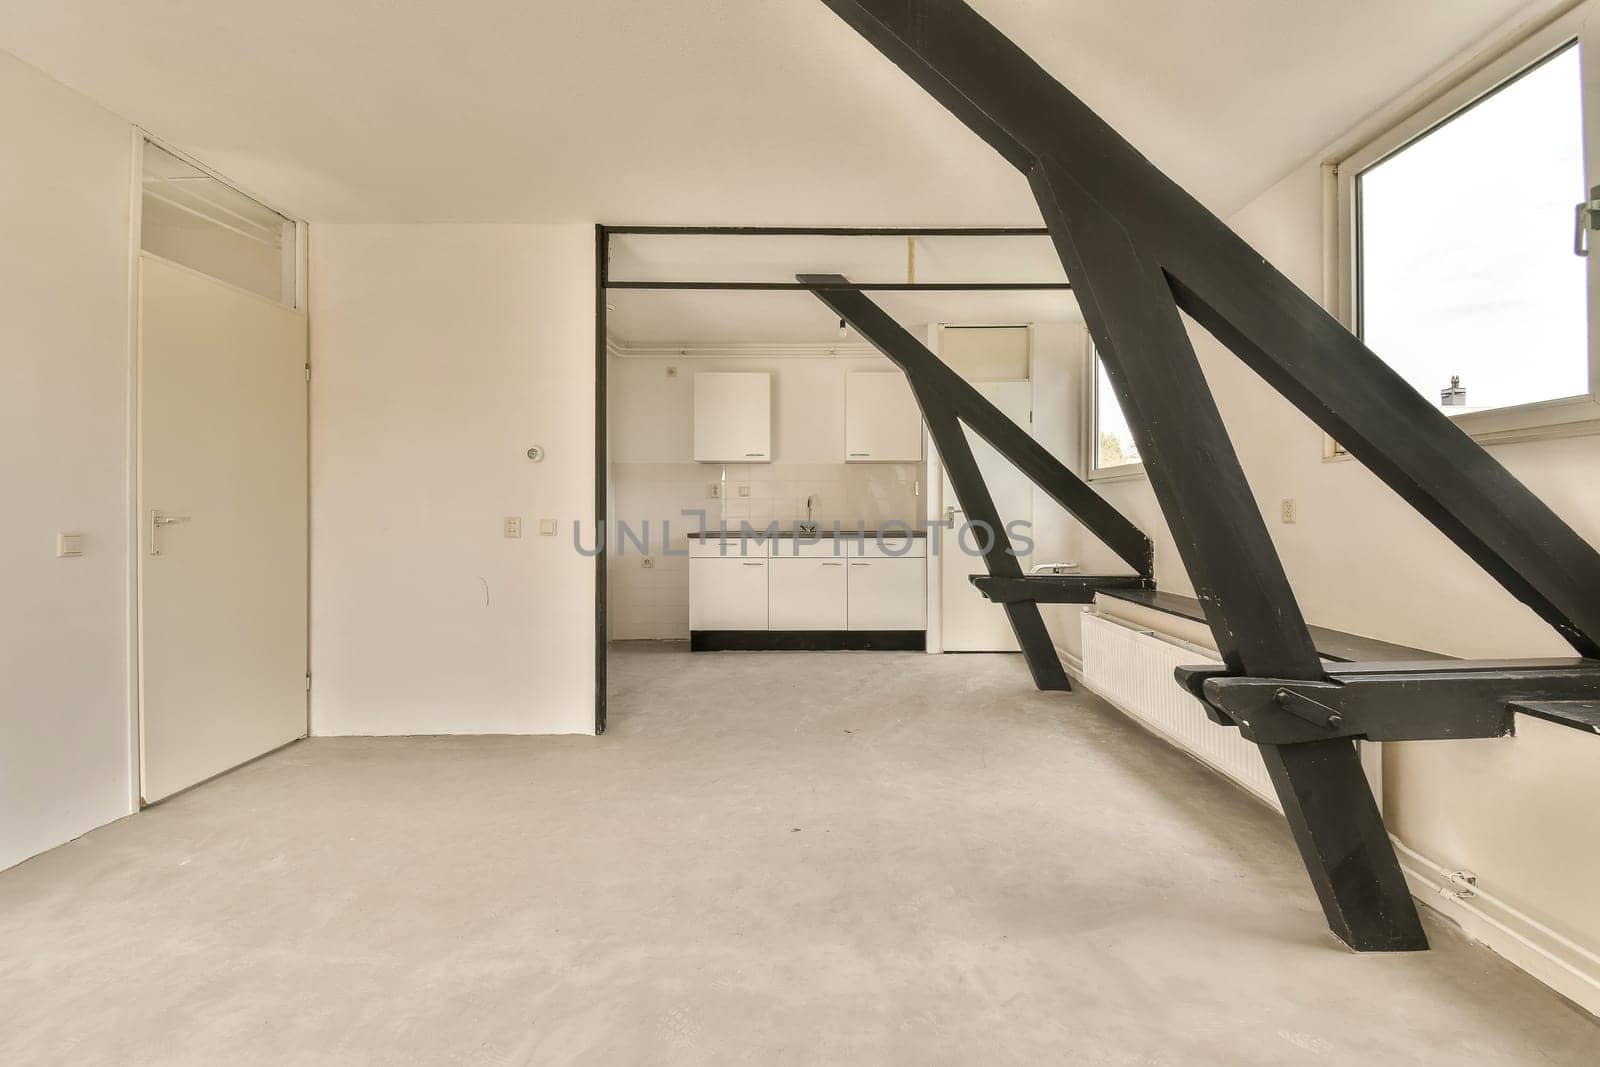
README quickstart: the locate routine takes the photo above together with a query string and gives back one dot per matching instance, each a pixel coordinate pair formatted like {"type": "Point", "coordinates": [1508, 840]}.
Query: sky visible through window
{"type": "Point", "coordinates": [1467, 267]}
{"type": "Point", "coordinates": [1114, 446]}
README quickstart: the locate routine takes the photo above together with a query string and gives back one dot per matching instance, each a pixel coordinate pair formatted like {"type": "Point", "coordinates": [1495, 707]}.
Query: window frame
{"type": "Point", "coordinates": [1560, 417]}
{"type": "Point", "coordinates": [1091, 444]}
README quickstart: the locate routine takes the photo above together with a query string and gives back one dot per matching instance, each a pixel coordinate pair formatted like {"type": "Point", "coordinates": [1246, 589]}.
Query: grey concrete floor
{"type": "Point", "coordinates": [779, 859]}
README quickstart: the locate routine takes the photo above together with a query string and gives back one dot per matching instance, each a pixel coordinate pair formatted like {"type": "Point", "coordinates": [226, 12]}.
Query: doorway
{"type": "Point", "coordinates": [222, 482]}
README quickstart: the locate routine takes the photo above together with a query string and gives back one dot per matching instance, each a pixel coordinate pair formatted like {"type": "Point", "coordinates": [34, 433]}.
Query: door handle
{"type": "Point", "coordinates": [158, 519]}
{"type": "Point", "coordinates": [950, 515]}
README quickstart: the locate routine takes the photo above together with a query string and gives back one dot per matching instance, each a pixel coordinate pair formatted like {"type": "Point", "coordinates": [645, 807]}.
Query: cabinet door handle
{"type": "Point", "coordinates": [854, 454]}
{"type": "Point", "coordinates": [833, 564]}
{"type": "Point", "coordinates": [860, 564]}
{"type": "Point", "coordinates": [755, 564]}
{"type": "Point", "coordinates": [755, 455]}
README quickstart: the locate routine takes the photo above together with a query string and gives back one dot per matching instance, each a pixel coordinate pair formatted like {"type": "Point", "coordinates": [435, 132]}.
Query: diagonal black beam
{"type": "Point", "coordinates": [1038, 649]}
{"type": "Point", "coordinates": [1279, 331]}
{"type": "Point", "coordinates": [1136, 248]}
{"type": "Point", "coordinates": [929, 374]}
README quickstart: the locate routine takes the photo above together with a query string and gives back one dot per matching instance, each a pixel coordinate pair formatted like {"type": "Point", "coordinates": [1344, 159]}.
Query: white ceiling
{"type": "Point", "coordinates": [696, 111]}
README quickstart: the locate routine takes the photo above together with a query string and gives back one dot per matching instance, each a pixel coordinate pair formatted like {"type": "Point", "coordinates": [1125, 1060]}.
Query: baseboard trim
{"type": "Point", "coordinates": [1567, 967]}
{"type": "Point", "coordinates": [808, 641]}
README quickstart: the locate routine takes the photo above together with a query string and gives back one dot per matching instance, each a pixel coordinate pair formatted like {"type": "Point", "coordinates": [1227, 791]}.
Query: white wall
{"type": "Point", "coordinates": [441, 352]}
{"type": "Point", "coordinates": [65, 763]}
{"type": "Point", "coordinates": [1517, 812]}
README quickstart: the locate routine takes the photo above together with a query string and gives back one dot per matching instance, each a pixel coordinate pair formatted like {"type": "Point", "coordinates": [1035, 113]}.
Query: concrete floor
{"type": "Point", "coordinates": [778, 859]}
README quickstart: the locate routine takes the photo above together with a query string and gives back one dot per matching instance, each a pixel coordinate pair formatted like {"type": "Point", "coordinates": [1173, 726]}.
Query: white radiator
{"type": "Point", "coordinates": [1132, 670]}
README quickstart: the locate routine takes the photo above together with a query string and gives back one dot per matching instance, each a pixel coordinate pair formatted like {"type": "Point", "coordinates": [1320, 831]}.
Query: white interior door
{"type": "Point", "coordinates": [222, 506]}
{"type": "Point", "coordinates": [969, 622]}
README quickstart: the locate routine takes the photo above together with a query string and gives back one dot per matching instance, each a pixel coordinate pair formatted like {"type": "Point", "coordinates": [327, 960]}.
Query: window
{"type": "Point", "coordinates": [1111, 446]}
{"type": "Point", "coordinates": [197, 221]}
{"type": "Point", "coordinates": [1463, 275]}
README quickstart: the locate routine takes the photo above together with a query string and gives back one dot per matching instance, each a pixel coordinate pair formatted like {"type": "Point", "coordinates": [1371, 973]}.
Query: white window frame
{"type": "Point", "coordinates": [1091, 444]}
{"type": "Point", "coordinates": [1564, 417]}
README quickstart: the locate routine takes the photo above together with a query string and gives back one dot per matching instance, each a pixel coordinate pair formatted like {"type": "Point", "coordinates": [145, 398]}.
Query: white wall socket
{"type": "Point", "coordinates": [513, 527]}
{"type": "Point", "coordinates": [1291, 510]}
{"type": "Point", "coordinates": [714, 492]}
{"type": "Point", "coordinates": [647, 563]}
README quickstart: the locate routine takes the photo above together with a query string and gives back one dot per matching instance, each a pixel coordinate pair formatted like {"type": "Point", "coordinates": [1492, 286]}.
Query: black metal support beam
{"type": "Point", "coordinates": [944, 389]}
{"type": "Point", "coordinates": [947, 401]}
{"type": "Point", "coordinates": [1345, 847]}
{"type": "Point", "coordinates": [1054, 588]}
{"type": "Point", "coordinates": [1278, 330]}
{"type": "Point", "coordinates": [1038, 650]}
{"type": "Point", "coordinates": [1448, 700]}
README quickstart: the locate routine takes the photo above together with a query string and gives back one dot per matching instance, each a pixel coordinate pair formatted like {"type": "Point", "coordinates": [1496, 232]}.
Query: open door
{"type": "Point", "coordinates": [969, 622]}
{"type": "Point", "coordinates": [222, 508]}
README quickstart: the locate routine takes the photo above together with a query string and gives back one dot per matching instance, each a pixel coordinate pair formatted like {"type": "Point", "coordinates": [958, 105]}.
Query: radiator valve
{"type": "Point", "coordinates": [1462, 885]}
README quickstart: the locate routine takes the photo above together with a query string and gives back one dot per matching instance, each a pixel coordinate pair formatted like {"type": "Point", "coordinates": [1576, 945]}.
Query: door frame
{"type": "Point", "coordinates": [135, 682]}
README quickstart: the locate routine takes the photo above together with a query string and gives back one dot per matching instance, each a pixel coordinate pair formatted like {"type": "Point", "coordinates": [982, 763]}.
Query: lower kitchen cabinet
{"type": "Point", "coordinates": [807, 594]}
{"type": "Point", "coordinates": [727, 593]}
{"type": "Point", "coordinates": [888, 593]}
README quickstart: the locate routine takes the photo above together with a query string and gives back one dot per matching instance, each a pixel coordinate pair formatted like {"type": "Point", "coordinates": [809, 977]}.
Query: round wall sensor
{"type": "Point", "coordinates": [536, 453]}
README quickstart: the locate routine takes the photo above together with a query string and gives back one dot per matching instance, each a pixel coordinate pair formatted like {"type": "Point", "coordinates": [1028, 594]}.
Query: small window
{"type": "Point", "coordinates": [1465, 277]}
{"type": "Point", "coordinates": [1111, 442]}
{"type": "Point", "coordinates": [197, 221]}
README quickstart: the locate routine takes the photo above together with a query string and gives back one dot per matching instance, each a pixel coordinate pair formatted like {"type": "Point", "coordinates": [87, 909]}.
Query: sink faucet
{"type": "Point", "coordinates": [811, 502]}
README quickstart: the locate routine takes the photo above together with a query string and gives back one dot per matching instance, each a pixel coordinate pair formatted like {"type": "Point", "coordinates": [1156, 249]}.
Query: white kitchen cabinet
{"type": "Point", "coordinates": [882, 423]}
{"type": "Point", "coordinates": [888, 593]}
{"type": "Point", "coordinates": [807, 593]}
{"type": "Point", "coordinates": [727, 593]}
{"type": "Point", "coordinates": [732, 417]}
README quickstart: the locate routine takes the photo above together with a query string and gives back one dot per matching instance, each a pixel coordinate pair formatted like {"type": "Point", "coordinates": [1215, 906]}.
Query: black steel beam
{"type": "Point", "coordinates": [1345, 847]}
{"type": "Point", "coordinates": [1430, 701]}
{"type": "Point", "coordinates": [1038, 650]}
{"type": "Point", "coordinates": [1278, 330]}
{"type": "Point", "coordinates": [1054, 588]}
{"type": "Point", "coordinates": [1114, 219]}
{"type": "Point", "coordinates": [932, 379]}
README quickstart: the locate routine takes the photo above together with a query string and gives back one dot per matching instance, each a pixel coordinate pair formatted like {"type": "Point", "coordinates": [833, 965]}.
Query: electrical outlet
{"type": "Point", "coordinates": [714, 492]}
{"type": "Point", "coordinates": [672, 372]}
{"type": "Point", "coordinates": [744, 490]}
{"type": "Point", "coordinates": [1291, 510]}
{"type": "Point", "coordinates": [647, 563]}
{"type": "Point", "coordinates": [513, 527]}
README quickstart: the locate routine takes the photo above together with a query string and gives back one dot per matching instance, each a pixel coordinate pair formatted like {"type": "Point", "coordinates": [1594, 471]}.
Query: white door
{"type": "Point", "coordinates": [222, 507]}
{"type": "Point", "coordinates": [968, 621]}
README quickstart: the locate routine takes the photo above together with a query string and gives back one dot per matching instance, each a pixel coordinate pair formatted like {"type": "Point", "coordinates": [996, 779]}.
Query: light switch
{"type": "Point", "coordinates": [547, 527]}
{"type": "Point", "coordinates": [513, 527]}
{"type": "Point", "coordinates": [69, 544]}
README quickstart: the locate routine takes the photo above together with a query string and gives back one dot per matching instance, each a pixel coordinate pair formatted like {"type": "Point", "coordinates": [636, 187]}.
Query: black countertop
{"type": "Point", "coordinates": [822, 534]}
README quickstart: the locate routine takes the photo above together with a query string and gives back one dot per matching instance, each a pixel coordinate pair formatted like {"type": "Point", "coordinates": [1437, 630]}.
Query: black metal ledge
{"type": "Point", "coordinates": [1055, 588]}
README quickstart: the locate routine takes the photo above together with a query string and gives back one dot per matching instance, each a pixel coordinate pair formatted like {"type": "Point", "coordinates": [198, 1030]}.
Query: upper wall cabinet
{"type": "Point", "coordinates": [882, 423]}
{"type": "Point", "coordinates": [732, 417]}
